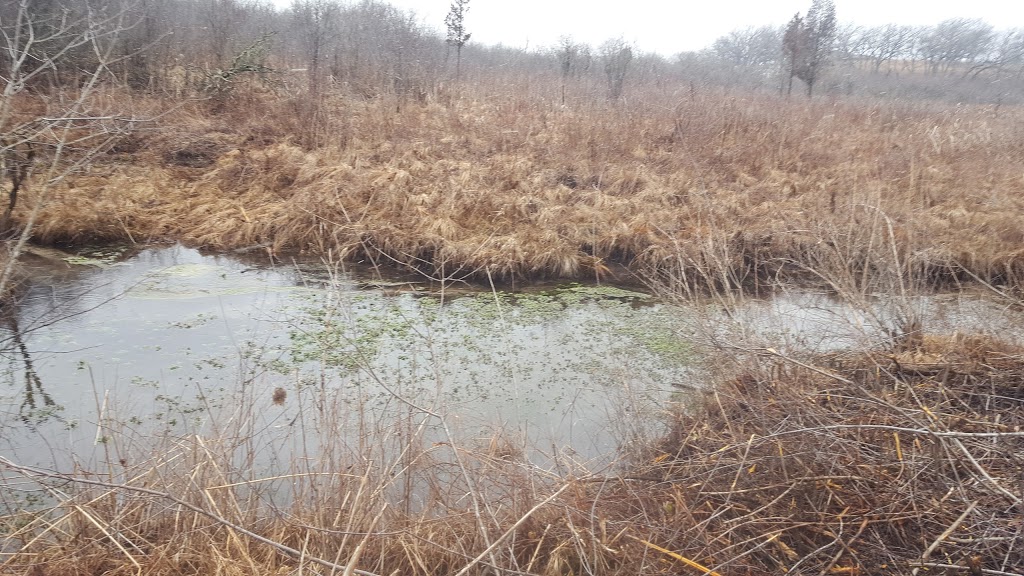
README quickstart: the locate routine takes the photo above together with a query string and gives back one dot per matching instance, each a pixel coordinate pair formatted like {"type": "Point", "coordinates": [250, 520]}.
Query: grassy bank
{"type": "Point", "coordinates": [720, 189]}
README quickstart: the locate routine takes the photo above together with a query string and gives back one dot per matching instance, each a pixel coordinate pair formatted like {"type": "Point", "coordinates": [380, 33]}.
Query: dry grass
{"type": "Point", "coordinates": [852, 463]}
{"type": "Point", "coordinates": [736, 188]}
{"type": "Point", "coordinates": [855, 463]}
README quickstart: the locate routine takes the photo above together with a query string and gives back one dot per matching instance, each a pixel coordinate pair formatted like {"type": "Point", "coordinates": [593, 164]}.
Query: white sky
{"type": "Point", "coordinates": [668, 26]}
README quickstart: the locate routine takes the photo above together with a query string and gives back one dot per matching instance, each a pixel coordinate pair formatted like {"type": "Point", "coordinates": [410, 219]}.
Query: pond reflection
{"type": "Point", "coordinates": [36, 403]}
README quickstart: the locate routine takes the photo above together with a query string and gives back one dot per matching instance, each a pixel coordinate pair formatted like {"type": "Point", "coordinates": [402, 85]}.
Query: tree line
{"type": "Point", "coordinates": [369, 48]}
{"type": "Point", "coordinates": [958, 48]}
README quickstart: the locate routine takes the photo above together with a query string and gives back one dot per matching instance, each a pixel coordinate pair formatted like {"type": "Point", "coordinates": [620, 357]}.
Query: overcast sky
{"type": "Point", "coordinates": [671, 26]}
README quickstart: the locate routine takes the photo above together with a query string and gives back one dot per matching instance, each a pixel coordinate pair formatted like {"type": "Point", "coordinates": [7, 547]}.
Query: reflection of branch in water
{"type": "Point", "coordinates": [28, 412]}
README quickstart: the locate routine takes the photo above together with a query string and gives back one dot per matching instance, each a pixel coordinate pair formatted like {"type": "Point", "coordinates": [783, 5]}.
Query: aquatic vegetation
{"type": "Point", "coordinates": [489, 345]}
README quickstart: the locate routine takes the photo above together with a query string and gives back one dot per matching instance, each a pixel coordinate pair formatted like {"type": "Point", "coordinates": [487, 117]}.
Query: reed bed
{"type": "Point", "coordinates": [477, 183]}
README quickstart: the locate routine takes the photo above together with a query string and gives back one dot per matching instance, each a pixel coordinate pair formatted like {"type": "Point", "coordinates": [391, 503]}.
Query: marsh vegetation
{"type": "Point", "coordinates": [376, 424]}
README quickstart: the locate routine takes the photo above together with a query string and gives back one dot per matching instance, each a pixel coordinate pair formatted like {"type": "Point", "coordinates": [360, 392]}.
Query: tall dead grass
{"type": "Point", "coordinates": [890, 461]}
{"type": "Point", "coordinates": [745, 188]}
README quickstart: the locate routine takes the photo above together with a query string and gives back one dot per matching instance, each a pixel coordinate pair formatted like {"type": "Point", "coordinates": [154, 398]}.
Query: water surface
{"type": "Point", "coordinates": [103, 358]}
{"type": "Point", "coordinates": [170, 341]}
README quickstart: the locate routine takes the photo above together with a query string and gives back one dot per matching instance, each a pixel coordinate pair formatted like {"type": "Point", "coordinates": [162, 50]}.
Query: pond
{"type": "Point", "coordinates": [109, 355]}
{"type": "Point", "coordinates": [105, 353]}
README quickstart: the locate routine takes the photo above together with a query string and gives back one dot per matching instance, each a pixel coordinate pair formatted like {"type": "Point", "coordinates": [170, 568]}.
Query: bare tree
{"type": "Point", "coordinates": [887, 43]}
{"type": "Point", "coordinates": [849, 43]}
{"type": "Point", "coordinates": [222, 20]}
{"type": "Point", "coordinates": [379, 48]}
{"type": "Point", "coordinates": [455, 21]}
{"type": "Point", "coordinates": [956, 41]}
{"type": "Point", "coordinates": [317, 22]}
{"type": "Point", "coordinates": [808, 43]}
{"type": "Point", "coordinates": [749, 47]}
{"type": "Point", "coordinates": [1005, 57]}
{"type": "Point", "coordinates": [51, 64]}
{"type": "Point", "coordinates": [573, 59]}
{"type": "Point", "coordinates": [616, 54]}
{"type": "Point", "coordinates": [1009, 52]}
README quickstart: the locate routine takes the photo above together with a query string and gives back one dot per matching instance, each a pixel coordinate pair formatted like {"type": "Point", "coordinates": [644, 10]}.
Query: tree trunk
{"type": "Point", "coordinates": [17, 167]}
{"type": "Point", "coordinates": [458, 62]}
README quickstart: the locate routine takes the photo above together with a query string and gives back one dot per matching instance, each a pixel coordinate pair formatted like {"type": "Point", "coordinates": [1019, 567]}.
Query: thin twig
{"type": "Point", "coordinates": [512, 529]}
{"type": "Point", "coordinates": [952, 527]}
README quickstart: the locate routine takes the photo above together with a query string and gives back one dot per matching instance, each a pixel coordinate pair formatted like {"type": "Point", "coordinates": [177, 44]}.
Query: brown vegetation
{"type": "Point", "coordinates": [864, 463]}
{"type": "Point", "coordinates": [856, 463]}
{"type": "Point", "coordinates": [751, 186]}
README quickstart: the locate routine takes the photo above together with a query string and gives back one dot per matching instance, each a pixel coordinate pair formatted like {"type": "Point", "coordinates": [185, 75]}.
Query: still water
{"type": "Point", "coordinates": [168, 341]}
{"type": "Point", "coordinates": [105, 358]}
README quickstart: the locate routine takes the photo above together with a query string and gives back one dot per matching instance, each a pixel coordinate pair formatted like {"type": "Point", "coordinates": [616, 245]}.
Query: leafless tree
{"type": "Point", "coordinates": [222, 19]}
{"type": "Point", "coordinates": [51, 64]}
{"type": "Point", "coordinates": [749, 47]}
{"type": "Point", "coordinates": [574, 59]}
{"type": "Point", "coordinates": [616, 54]}
{"type": "Point", "coordinates": [850, 43]}
{"type": "Point", "coordinates": [1005, 58]}
{"type": "Point", "coordinates": [317, 24]}
{"type": "Point", "coordinates": [455, 21]}
{"type": "Point", "coordinates": [956, 41]}
{"type": "Point", "coordinates": [1009, 52]}
{"type": "Point", "coordinates": [381, 49]}
{"type": "Point", "coordinates": [887, 43]}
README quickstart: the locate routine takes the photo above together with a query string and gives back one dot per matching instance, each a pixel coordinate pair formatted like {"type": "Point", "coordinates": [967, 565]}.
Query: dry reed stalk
{"type": "Point", "coordinates": [816, 457]}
